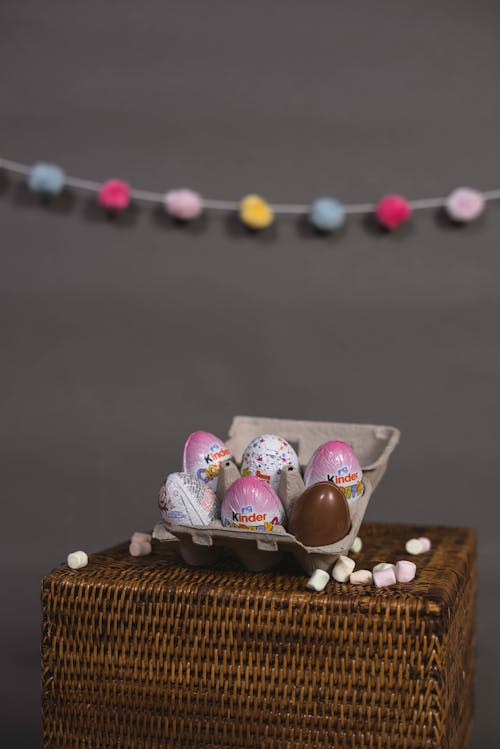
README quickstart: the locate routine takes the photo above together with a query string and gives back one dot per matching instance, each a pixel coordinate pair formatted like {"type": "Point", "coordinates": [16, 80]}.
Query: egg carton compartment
{"type": "Point", "coordinates": [260, 550]}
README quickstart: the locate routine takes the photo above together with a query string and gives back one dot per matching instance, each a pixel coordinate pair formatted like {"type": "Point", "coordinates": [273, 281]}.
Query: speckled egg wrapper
{"type": "Point", "coordinates": [260, 550]}
{"type": "Point", "coordinates": [185, 500]}
{"type": "Point", "coordinates": [266, 457]}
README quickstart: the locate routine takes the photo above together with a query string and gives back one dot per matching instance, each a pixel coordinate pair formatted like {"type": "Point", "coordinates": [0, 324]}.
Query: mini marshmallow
{"type": "Point", "coordinates": [426, 543]}
{"type": "Point", "coordinates": [405, 571]}
{"type": "Point", "coordinates": [318, 580]}
{"type": "Point", "coordinates": [357, 545]}
{"type": "Point", "coordinates": [384, 577]}
{"type": "Point", "coordinates": [77, 560]}
{"type": "Point", "coordinates": [139, 548]}
{"type": "Point", "coordinates": [140, 536]}
{"type": "Point", "coordinates": [382, 566]}
{"type": "Point", "coordinates": [361, 577]}
{"type": "Point", "coordinates": [343, 568]}
{"type": "Point", "coordinates": [414, 546]}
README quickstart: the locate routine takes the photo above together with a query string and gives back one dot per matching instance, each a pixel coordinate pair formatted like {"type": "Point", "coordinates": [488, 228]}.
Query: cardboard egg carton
{"type": "Point", "coordinates": [260, 550]}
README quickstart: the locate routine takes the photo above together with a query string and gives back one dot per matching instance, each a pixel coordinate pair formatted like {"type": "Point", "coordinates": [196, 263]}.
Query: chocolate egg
{"type": "Point", "coordinates": [203, 456]}
{"type": "Point", "coordinates": [266, 457]}
{"type": "Point", "coordinates": [320, 516]}
{"type": "Point", "coordinates": [185, 500]}
{"type": "Point", "coordinates": [336, 461]}
{"type": "Point", "coordinates": [252, 504]}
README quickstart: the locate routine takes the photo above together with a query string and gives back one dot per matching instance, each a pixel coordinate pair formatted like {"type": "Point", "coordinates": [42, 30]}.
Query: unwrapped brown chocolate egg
{"type": "Point", "coordinates": [320, 516]}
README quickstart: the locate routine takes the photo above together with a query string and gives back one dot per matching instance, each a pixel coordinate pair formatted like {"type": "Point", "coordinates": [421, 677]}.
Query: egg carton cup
{"type": "Point", "coordinates": [261, 550]}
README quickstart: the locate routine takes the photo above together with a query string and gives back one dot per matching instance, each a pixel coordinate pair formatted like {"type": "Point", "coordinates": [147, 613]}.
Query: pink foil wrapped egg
{"type": "Point", "coordinates": [336, 461]}
{"type": "Point", "coordinates": [252, 504]}
{"type": "Point", "coordinates": [203, 455]}
{"type": "Point", "coordinates": [185, 500]}
{"type": "Point", "coordinates": [266, 457]}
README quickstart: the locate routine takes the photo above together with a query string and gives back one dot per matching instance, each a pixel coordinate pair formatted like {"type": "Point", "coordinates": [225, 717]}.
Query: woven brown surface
{"type": "Point", "coordinates": [148, 653]}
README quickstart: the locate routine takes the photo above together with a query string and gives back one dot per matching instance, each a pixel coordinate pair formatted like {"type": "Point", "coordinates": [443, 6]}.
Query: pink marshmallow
{"type": "Point", "coordinates": [382, 578]}
{"type": "Point", "coordinates": [405, 571]}
{"type": "Point", "coordinates": [139, 548]}
{"type": "Point", "coordinates": [426, 543]}
{"type": "Point", "coordinates": [361, 577]}
{"type": "Point", "coordinates": [140, 536]}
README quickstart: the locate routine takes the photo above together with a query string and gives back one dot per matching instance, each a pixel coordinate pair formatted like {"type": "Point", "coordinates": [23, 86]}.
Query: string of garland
{"type": "Point", "coordinates": [464, 204]}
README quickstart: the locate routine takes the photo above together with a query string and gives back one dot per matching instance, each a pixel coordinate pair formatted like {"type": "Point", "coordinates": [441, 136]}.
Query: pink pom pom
{"type": "Point", "coordinates": [464, 204]}
{"type": "Point", "coordinates": [183, 204]}
{"type": "Point", "coordinates": [392, 210]}
{"type": "Point", "coordinates": [114, 195]}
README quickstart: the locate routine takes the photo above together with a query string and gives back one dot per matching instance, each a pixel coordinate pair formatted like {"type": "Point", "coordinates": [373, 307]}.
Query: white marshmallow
{"type": "Point", "coordinates": [77, 560]}
{"type": "Point", "coordinates": [361, 577]}
{"type": "Point", "coordinates": [357, 545]}
{"type": "Point", "coordinates": [426, 543]}
{"type": "Point", "coordinates": [343, 568]}
{"type": "Point", "coordinates": [318, 580]}
{"type": "Point", "coordinates": [382, 566]}
{"type": "Point", "coordinates": [414, 546]}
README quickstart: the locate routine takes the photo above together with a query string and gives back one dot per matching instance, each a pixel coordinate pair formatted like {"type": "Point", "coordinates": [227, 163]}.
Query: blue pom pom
{"type": "Point", "coordinates": [46, 178]}
{"type": "Point", "coordinates": [327, 214]}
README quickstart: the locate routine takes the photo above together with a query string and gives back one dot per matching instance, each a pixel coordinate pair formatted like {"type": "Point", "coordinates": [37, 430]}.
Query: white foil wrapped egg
{"type": "Point", "coordinates": [203, 455]}
{"type": "Point", "coordinates": [266, 457]}
{"type": "Point", "coordinates": [185, 500]}
{"type": "Point", "coordinates": [336, 461]}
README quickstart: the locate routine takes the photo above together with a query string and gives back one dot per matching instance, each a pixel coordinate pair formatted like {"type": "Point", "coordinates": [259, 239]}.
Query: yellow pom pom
{"type": "Point", "coordinates": [255, 212]}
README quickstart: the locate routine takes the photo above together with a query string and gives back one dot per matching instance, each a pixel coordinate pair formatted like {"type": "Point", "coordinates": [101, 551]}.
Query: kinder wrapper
{"type": "Point", "coordinates": [336, 461]}
{"type": "Point", "coordinates": [252, 504]}
{"type": "Point", "coordinates": [203, 455]}
{"type": "Point", "coordinates": [266, 457]}
{"type": "Point", "coordinates": [185, 500]}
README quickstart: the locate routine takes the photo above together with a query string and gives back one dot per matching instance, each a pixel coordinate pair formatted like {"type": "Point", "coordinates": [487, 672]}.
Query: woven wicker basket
{"type": "Point", "coordinates": [147, 653]}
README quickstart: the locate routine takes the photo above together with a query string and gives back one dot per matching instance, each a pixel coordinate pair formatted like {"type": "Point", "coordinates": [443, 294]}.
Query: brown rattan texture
{"type": "Point", "coordinates": [146, 653]}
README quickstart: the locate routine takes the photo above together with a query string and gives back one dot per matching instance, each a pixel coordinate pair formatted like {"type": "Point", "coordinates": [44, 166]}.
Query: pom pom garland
{"type": "Point", "coordinates": [464, 204]}
{"type": "Point", "coordinates": [327, 214]}
{"type": "Point", "coordinates": [114, 195]}
{"type": "Point", "coordinates": [183, 204]}
{"type": "Point", "coordinates": [255, 212]}
{"type": "Point", "coordinates": [392, 210]}
{"type": "Point", "coordinates": [47, 179]}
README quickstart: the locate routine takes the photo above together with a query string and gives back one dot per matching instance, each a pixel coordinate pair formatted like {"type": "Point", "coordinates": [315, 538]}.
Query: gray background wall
{"type": "Point", "coordinates": [118, 339]}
